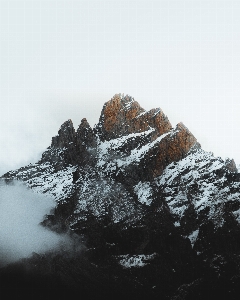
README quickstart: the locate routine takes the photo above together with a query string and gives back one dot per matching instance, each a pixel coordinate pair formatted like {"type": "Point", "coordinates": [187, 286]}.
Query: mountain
{"type": "Point", "coordinates": [157, 216]}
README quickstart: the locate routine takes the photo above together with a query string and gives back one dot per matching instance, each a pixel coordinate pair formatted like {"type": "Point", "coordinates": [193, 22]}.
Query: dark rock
{"type": "Point", "coordinates": [230, 165]}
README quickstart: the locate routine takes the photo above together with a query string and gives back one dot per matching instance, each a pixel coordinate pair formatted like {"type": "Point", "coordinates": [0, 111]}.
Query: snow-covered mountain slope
{"type": "Point", "coordinates": [106, 173]}
{"type": "Point", "coordinates": [110, 174]}
{"type": "Point", "coordinates": [200, 188]}
{"type": "Point", "coordinates": [44, 179]}
{"type": "Point", "coordinates": [136, 188]}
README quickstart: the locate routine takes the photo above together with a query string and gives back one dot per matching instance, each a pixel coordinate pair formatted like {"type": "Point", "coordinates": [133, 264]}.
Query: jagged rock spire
{"type": "Point", "coordinates": [85, 135]}
{"type": "Point", "coordinates": [66, 135]}
{"type": "Point", "coordinates": [85, 141]}
{"type": "Point", "coordinates": [120, 116]}
{"type": "Point", "coordinates": [231, 165]}
{"type": "Point", "coordinates": [123, 115]}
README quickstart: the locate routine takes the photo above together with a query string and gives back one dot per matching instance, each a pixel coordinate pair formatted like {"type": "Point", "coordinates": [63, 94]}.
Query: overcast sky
{"type": "Point", "coordinates": [62, 60]}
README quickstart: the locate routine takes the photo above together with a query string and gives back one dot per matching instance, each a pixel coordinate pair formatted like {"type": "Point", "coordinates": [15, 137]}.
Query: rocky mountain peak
{"type": "Point", "coordinates": [71, 146]}
{"type": "Point", "coordinates": [66, 135]}
{"type": "Point", "coordinates": [148, 133]}
{"type": "Point", "coordinates": [123, 115]}
{"type": "Point", "coordinates": [231, 165]}
{"type": "Point", "coordinates": [85, 137]}
{"type": "Point", "coordinates": [146, 198]}
{"type": "Point", "coordinates": [84, 123]}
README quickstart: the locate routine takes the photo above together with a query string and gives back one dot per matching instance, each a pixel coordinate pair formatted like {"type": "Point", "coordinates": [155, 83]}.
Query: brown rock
{"type": "Point", "coordinates": [154, 118]}
{"type": "Point", "coordinates": [123, 115]}
{"type": "Point", "coordinates": [172, 147]}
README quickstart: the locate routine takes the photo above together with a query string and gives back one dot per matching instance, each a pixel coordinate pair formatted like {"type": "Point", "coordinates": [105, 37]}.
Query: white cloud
{"type": "Point", "coordinates": [21, 211]}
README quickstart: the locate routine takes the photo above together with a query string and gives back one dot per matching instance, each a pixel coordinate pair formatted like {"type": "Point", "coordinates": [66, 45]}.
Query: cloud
{"type": "Point", "coordinates": [21, 211]}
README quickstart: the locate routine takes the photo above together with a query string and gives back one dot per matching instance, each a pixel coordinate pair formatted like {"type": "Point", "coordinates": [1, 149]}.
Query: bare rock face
{"type": "Point", "coordinates": [85, 136]}
{"type": "Point", "coordinates": [62, 151]}
{"type": "Point", "coordinates": [231, 165]}
{"type": "Point", "coordinates": [70, 146]}
{"type": "Point", "coordinates": [86, 142]}
{"type": "Point", "coordinates": [82, 138]}
{"type": "Point", "coordinates": [156, 155]}
{"type": "Point", "coordinates": [123, 115]}
{"type": "Point", "coordinates": [66, 135]}
{"type": "Point", "coordinates": [173, 148]}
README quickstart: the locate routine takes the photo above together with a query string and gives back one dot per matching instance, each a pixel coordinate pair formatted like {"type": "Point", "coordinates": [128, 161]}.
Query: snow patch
{"type": "Point", "coordinates": [193, 237]}
{"type": "Point", "coordinates": [199, 180]}
{"type": "Point", "coordinates": [136, 261]}
{"type": "Point", "coordinates": [137, 154]}
{"type": "Point", "coordinates": [144, 192]}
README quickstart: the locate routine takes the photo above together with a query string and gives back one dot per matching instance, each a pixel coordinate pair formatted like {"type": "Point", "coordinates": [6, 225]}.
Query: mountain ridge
{"type": "Point", "coordinates": [146, 198]}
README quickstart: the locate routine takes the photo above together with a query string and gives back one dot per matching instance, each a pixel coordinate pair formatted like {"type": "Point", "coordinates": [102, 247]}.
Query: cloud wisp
{"type": "Point", "coordinates": [21, 211]}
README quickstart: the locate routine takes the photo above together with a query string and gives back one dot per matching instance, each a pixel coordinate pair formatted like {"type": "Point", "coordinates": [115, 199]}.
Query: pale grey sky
{"type": "Point", "coordinates": [62, 59]}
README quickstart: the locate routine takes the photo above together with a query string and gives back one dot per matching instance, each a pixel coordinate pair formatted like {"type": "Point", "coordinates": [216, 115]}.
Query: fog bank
{"type": "Point", "coordinates": [21, 211]}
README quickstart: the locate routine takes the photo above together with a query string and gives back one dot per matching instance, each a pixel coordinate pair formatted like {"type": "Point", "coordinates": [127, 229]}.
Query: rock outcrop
{"type": "Point", "coordinates": [70, 147]}
{"type": "Point", "coordinates": [173, 147]}
{"type": "Point", "coordinates": [122, 115]}
{"type": "Point", "coordinates": [65, 137]}
{"type": "Point", "coordinates": [85, 137]}
{"type": "Point", "coordinates": [230, 165]}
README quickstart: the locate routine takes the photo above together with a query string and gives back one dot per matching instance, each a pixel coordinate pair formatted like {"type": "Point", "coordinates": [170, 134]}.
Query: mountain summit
{"type": "Point", "coordinates": [123, 115]}
{"type": "Point", "coordinates": [155, 212]}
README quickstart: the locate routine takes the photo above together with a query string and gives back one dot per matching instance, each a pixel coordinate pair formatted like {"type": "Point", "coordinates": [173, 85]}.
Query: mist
{"type": "Point", "coordinates": [63, 60]}
{"type": "Point", "coordinates": [21, 211]}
